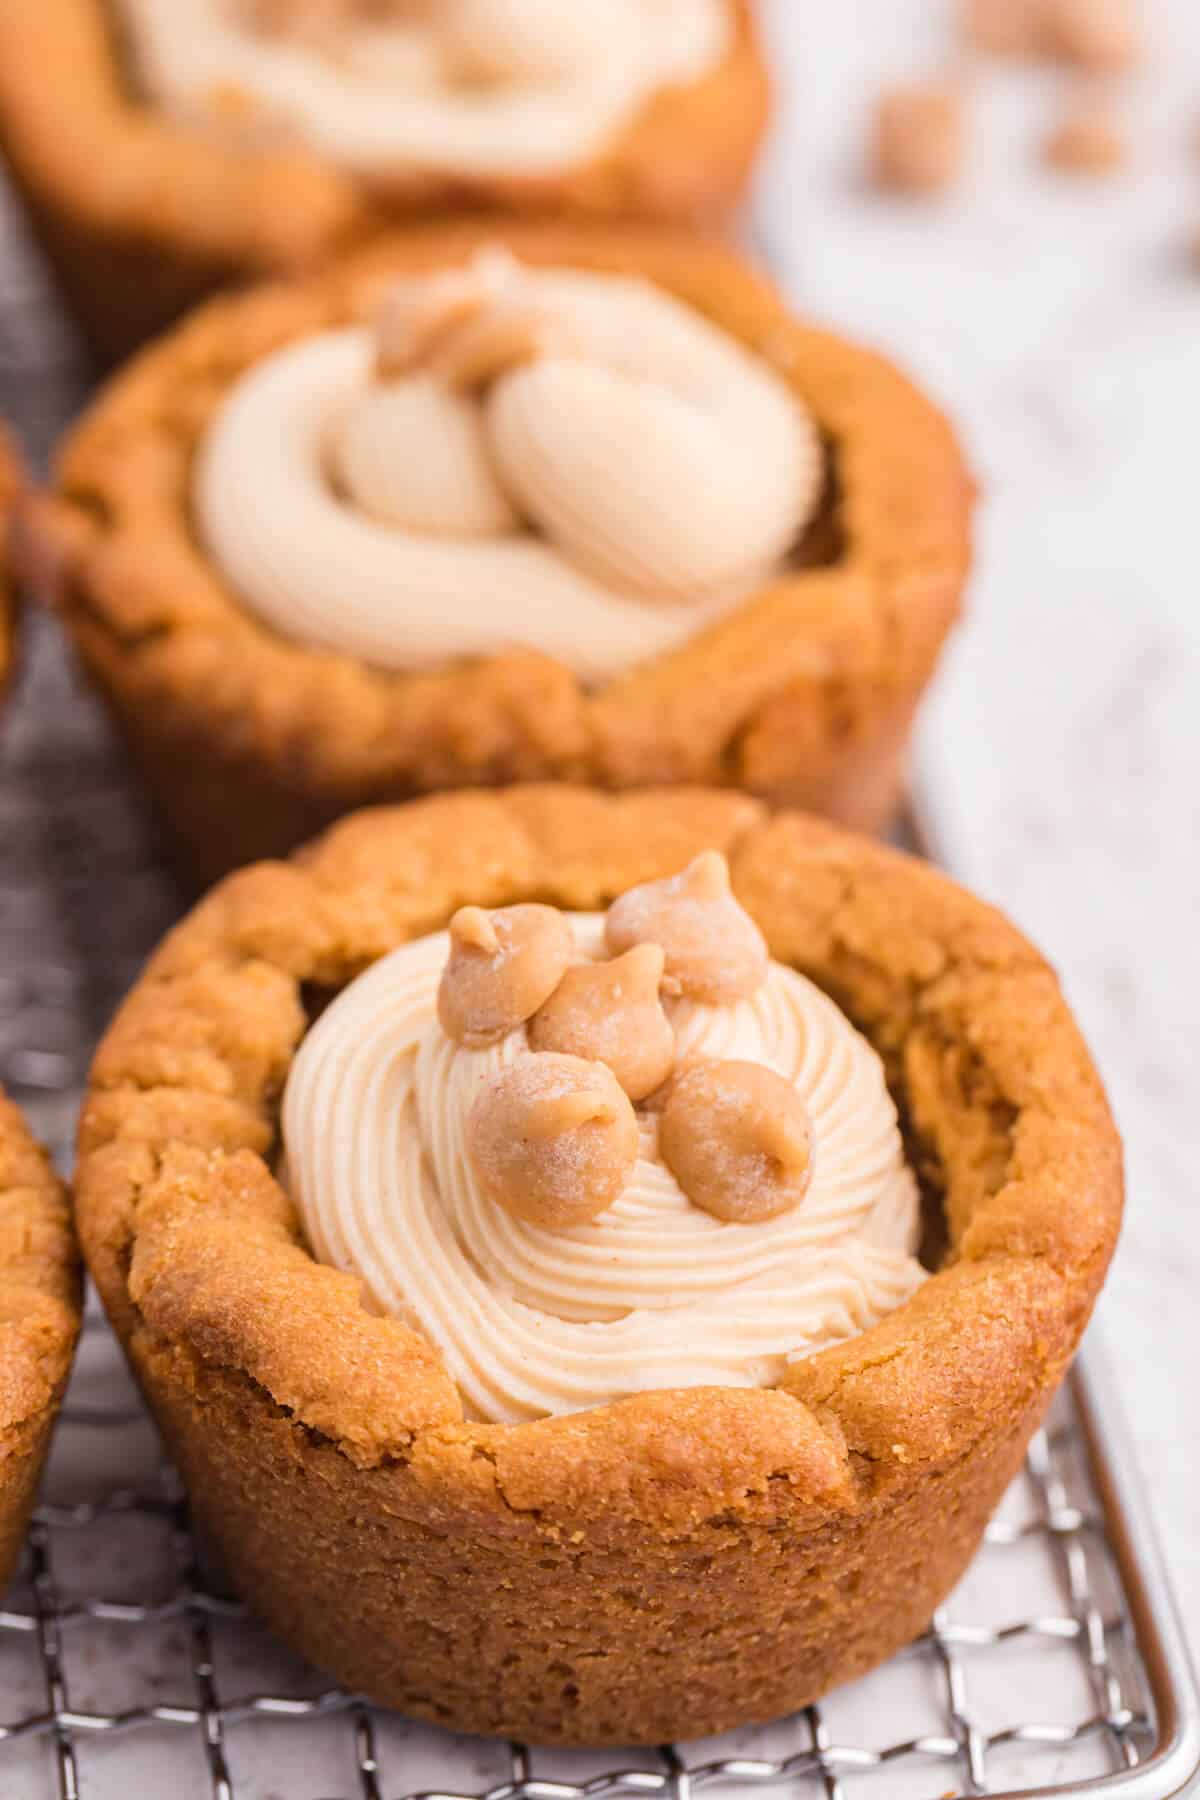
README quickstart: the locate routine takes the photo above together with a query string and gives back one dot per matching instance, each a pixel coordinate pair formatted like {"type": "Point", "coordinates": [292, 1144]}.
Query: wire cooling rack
{"type": "Point", "coordinates": [127, 1669]}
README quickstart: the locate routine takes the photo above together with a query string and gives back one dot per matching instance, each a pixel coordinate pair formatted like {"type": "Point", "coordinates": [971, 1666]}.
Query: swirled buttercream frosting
{"type": "Point", "coordinates": [397, 89]}
{"type": "Point", "coordinates": [390, 1133]}
{"type": "Point", "coordinates": [547, 459]}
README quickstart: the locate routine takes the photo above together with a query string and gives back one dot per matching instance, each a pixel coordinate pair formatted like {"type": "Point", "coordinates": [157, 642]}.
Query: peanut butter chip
{"type": "Point", "coordinates": [553, 1139]}
{"type": "Point", "coordinates": [737, 1138]}
{"type": "Point", "coordinates": [715, 952]}
{"type": "Point", "coordinates": [493, 342]}
{"type": "Point", "coordinates": [411, 327]}
{"type": "Point", "coordinates": [1087, 141]}
{"type": "Point", "coordinates": [1102, 35]}
{"type": "Point", "coordinates": [502, 967]}
{"type": "Point", "coordinates": [919, 140]}
{"type": "Point", "coordinates": [414, 318]}
{"type": "Point", "coordinates": [611, 1012]}
{"type": "Point", "coordinates": [467, 327]}
{"type": "Point", "coordinates": [1005, 27]}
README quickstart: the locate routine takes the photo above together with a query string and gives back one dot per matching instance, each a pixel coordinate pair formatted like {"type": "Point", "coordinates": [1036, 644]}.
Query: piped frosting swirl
{"type": "Point", "coordinates": [550, 459]}
{"type": "Point", "coordinates": [381, 1130]}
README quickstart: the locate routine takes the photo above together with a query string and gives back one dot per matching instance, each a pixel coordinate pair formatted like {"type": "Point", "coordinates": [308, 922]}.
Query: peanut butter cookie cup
{"type": "Point", "coordinates": [167, 149]}
{"type": "Point", "coordinates": [483, 505]}
{"type": "Point", "coordinates": [533, 1400]}
{"type": "Point", "coordinates": [39, 1320]}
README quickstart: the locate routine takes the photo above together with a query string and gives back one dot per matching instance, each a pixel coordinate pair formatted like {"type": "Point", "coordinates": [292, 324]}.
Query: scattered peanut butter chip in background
{"type": "Point", "coordinates": [1088, 139]}
{"type": "Point", "coordinates": [919, 137]}
{"type": "Point", "coordinates": [1105, 36]}
{"type": "Point", "coordinates": [919, 129]}
{"type": "Point", "coordinates": [1004, 27]}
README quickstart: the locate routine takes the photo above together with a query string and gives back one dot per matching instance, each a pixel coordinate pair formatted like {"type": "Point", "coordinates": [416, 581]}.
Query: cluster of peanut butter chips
{"type": "Point", "coordinates": [554, 1135]}
{"type": "Point", "coordinates": [922, 131]}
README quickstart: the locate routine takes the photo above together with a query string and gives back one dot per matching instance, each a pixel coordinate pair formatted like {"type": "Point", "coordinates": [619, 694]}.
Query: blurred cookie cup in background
{"type": "Point", "coordinates": [493, 503]}
{"type": "Point", "coordinates": [166, 150]}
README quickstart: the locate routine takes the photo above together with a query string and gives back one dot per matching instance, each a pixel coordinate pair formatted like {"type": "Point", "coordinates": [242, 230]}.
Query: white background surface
{"type": "Point", "coordinates": [1059, 322]}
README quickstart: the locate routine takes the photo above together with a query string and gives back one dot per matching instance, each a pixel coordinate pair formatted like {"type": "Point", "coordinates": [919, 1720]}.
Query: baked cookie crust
{"type": "Point", "coordinates": [679, 1562]}
{"type": "Point", "coordinates": [142, 217]}
{"type": "Point", "coordinates": [250, 743]}
{"type": "Point", "coordinates": [12, 482]}
{"type": "Point", "coordinates": [39, 1320]}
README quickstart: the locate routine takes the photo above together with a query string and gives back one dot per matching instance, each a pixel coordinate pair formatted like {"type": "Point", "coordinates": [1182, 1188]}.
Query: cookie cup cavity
{"type": "Point", "coordinates": [39, 1320]}
{"type": "Point", "coordinates": [143, 216]}
{"type": "Point", "coordinates": [249, 743]}
{"type": "Point", "coordinates": [678, 1562]}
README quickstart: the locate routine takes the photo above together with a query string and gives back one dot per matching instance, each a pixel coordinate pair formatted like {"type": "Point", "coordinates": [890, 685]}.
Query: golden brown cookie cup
{"type": "Point", "coordinates": [679, 1562]}
{"type": "Point", "coordinates": [12, 483]}
{"type": "Point", "coordinates": [249, 743]}
{"type": "Point", "coordinates": [142, 217]}
{"type": "Point", "coordinates": [39, 1320]}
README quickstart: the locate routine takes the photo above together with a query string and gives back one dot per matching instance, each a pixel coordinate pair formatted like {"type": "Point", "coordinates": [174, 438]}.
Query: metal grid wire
{"type": "Point", "coordinates": [125, 1669]}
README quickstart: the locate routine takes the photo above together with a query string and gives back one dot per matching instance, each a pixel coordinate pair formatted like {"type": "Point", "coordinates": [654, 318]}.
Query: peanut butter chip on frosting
{"type": "Point", "coordinates": [553, 1140]}
{"type": "Point", "coordinates": [738, 1139]}
{"type": "Point", "coordinates": [611, 1011]}
{"type": "Point", "coordinates": [467, 327]}
{"type": "Point", "coordinates": [714, 951]}
{"type": "Point", "coordinates": [502, 967]}
{"type": "Point", "coordinates": [508, 336]}
{"type": "Point", "coordinates": [420, 315]}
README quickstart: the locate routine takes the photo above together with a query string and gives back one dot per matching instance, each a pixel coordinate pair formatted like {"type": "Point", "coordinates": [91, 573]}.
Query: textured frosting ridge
{"type": "Point", "coordinates": [425, 86]}
{"type": "Point", "coordinates": [654, 1292]}
{"type": "Point", "coordinates": [548, 459]}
